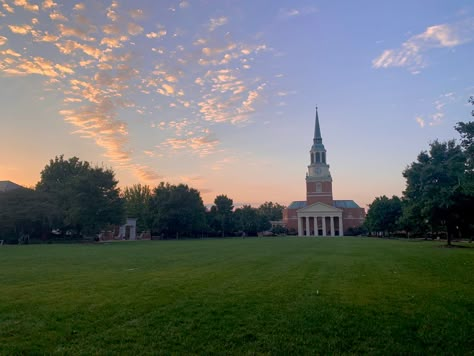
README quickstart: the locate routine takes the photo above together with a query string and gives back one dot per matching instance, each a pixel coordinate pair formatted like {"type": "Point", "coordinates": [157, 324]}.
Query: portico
{"type": "Point", "coordinates": [320, 220]}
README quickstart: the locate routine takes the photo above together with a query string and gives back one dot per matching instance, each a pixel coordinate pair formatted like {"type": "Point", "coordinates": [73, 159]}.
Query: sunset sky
{"type": "Point", "coordinates": [221, 94]}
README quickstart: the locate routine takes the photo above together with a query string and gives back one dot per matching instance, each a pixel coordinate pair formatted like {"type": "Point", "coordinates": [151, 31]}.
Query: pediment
{"type": "Point", "coordinates": [319, 208]}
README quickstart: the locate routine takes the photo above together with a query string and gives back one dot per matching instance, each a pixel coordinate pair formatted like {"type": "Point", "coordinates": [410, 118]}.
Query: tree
{"type": "Point", "coordinates": [177, 210]}
{"type": "Point", "coordinates": [434, 186]}
{"type": "Point", "coordinates": [383, 214]}
{"type": "Point", "coordinates": [137, 199]}
{"type": "Point", "coordinates": [24, 212]}
{"type": "Point", "coordinates": [272, 211]}
{"type": "Point", "coordinates": [87, 198]}
{"type": "Point", "coordinates": [249, 220]}
{"type": "Point", "coordinates": [223, 212]}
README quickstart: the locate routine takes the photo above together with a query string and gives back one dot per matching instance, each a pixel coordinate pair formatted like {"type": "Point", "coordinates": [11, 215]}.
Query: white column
{"type": "Point", "coordinates": [332, 226]}
{"type": "Point", "coordinates": [300, 226]}
{"type": "Point", "coordinates": [324, 225]}
{"type": "Point", "coordinates": [341, 230]}
{"type": "Point", "coordinates": [307, 226]}
{"type": "Point", "coordinates": [316, 233]}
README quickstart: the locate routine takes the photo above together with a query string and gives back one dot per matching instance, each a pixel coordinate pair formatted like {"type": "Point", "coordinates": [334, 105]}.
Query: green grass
{"type": "Point", "coordinates": [234, 296]}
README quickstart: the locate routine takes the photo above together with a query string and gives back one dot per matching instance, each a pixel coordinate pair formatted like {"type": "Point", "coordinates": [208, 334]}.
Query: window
{"type": "Point", "coordinates": [319, 188]}
{"type": "Point", "coordinates": [318, 157]}
{"type": "Point", "coordinates": [324, 157]}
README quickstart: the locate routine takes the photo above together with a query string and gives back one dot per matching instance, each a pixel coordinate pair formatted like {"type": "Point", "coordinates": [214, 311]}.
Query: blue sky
{"type": "Point", "coordinates": [220, 95]}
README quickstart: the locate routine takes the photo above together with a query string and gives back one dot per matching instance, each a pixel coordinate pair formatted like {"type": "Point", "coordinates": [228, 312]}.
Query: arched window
{"type": "Point", "coordinates": [318, 157]}
{"type": "Point", "coordinates": [312, 157]}
{"type": "Point", "coordinates": [324, 157]}
{"type": "Point", "coordinates": [319, 188]}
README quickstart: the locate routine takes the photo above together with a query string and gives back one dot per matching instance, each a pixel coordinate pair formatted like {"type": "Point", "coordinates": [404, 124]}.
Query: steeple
{"type": "Point", "coordinates": [318, 166]}
{"type": "Point", "coordinates": [317, 130]}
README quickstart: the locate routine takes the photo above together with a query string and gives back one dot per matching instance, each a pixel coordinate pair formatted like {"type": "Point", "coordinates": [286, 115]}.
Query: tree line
{"type": "Point", "coordinates": [438, 200]}
{"type": "Point", "coordinates": [75, 199]}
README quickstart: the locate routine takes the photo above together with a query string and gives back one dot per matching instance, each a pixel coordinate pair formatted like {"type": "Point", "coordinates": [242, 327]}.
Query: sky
{"type": "Point", "coordinates": [221, 94]}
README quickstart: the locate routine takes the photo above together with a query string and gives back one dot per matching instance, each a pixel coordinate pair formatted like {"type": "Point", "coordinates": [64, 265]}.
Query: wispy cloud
{"type": "Point", "coordinates": [411, 53]}
{"type": "Point", "coordinates": [420, 121]}
{"type": "Point", "coordinates": [287, 13]}
{"type": "Point", "coordinates": [96, 63]}
{"type": "Point", "coordinates": [217, 22]}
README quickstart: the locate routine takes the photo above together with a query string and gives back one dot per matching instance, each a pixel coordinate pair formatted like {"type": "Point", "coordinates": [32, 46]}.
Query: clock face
{"type": "Point", "coordinates": [318, 171]}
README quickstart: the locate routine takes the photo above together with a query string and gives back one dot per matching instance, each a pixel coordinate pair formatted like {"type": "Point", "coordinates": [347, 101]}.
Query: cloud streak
{"type": "Point", "coordinates": [411, 53]}
{"type": "Point", "coordinates": [98, 62]}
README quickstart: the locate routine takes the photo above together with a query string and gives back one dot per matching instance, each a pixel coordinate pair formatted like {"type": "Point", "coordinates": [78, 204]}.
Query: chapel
{"type": "Point", "coordinates": [320, 214]}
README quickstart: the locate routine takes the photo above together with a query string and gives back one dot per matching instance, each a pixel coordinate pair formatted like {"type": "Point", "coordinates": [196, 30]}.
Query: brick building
{"type": "Point", "coordinates": [320, 214]}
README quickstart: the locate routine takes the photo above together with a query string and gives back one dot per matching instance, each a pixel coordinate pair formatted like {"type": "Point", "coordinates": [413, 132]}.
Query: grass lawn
{"type": "Point", "coordinates": [234, 296]}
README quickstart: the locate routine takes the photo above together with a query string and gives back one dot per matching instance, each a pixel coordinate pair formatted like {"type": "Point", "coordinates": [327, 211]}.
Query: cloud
{"type": "Point", "coordinates": [146, 173]}
{"type": "Point", "coordinates": [48, 4]}
{"type": "Point", "coordinates": [284, 13]}
{"type": "Point", "coordinates": [20, 29]}
{"type": "Point", "coordinates": [8, 8]}
{"type": "Point", "coordinates": [158, 34]}
{"type": "Point", "coordinates": [198, 145]}
{"type": "Point", "coordinates": [90, 60]}
{"type": "Point", "coordinates": [66, 31]}
{"type": "Point", "coordinates": [26, 5]}
{"type": "Point", "coordinates": [134, 29]}
{"type": "Point", "coordinates": [57, 16]}
{"type": "Point", "coordinates": [37, 65]}
{"type": "Point", "coordinates": [420, 121]}
{"type": "Point", "coordinates": [411, 53]}
{"type": "Point", "coordinates": [217, 22]}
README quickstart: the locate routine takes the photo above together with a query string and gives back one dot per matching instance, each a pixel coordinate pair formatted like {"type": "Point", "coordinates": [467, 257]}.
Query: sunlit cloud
{"type": "Point", "coordinates": [147, 174]}
{"type": "Point", "coordinates": [411, 53]}
{"type": "Point", "coordinates": [96, 64]}
{"type": "Point", "coordinates": [8, 8]}
{"type": "Point", "coordinates": [57, 16]}
{"type": "Point", "coordinates": [79, 7]}
{"type": "Point", "coordinates": [20, 29]}
{"type": "Point", "coordinates": [199, 145]}
{"type": "Point", "coordinates": [48, 4]}
{"type": "Point", "coordinates": [26, 5]}
{"type": "Point", "coordinates": [158, 34]}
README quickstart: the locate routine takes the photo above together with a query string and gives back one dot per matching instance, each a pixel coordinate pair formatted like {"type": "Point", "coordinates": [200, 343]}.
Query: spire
{"type": "Point", "coordinates": [317, 130]}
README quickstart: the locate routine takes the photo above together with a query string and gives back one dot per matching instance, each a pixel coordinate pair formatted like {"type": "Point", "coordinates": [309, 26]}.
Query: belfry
{"type": "Point", "coordinates": [320, 214]}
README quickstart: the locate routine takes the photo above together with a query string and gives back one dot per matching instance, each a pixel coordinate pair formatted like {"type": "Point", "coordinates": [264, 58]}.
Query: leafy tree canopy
{"type": "Point", "coordinates": [86, 197]}
{"type": "Point", "coordinates": [177, 210]}
{"type": "Point", "coordinates": [137, 200]}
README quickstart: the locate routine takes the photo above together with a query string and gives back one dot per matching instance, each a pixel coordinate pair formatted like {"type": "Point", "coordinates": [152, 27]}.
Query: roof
{"type": "Point", "coordinates": [297, 204]}
{"type": "Point", "coordinates": [6, 185]}
{"type": "Point", "coordinates": [345, 204]}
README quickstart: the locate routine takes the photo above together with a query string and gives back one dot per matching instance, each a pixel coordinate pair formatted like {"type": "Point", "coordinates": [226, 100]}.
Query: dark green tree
{"type": "Point", "coordinates": [86, 197]}
{"type": "Point", "coordinates": [249, 220]}
{"type": "Point", "coordinates": [434, 187]}
{"type": "Point", "coordinates": [25, 212]}
{"type": "Point", "coordinates": [177, 211]}
{"type": "Point", "coordinates": [383, 215]}
{"type": "Point", "coordinates": [224, 207]}
{"type": "Point", "coordinates": [272, 211]}
{"type": "Point", "coordinates": [137, 200]}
